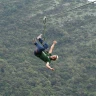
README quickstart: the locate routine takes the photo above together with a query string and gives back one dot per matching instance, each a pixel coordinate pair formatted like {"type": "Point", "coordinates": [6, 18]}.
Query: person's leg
{"type": "Point", "coordinates": [39, 38]}
{"type": "Point", "coordinates": [39, 47]}
{"type": "Point", "coordinates": [45, 45]}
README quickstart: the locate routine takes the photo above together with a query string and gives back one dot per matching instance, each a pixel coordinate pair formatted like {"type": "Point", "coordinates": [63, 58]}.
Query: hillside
{"type": "Point", "coordinates": [74, 28]}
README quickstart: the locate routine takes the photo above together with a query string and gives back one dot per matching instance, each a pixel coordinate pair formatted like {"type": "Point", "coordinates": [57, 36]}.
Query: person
{"type": "Point", "coordinates": [42, 53]}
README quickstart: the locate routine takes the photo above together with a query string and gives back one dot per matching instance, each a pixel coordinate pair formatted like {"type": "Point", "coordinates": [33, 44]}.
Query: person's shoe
{"type": "Point", "coordinates": [40, 36]}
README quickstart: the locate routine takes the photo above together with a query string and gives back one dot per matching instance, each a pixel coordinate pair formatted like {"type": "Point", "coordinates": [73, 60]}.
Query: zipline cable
{"type": "Point", "coordinates": [45, 19]}
{"type": "Point", "coordinates": [77, 7]}
{"type": "Point", "coordinates": [81, 6]}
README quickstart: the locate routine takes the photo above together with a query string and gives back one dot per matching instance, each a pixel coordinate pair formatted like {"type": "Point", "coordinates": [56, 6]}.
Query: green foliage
{"type": "Point", "coordinates": [23, 74]}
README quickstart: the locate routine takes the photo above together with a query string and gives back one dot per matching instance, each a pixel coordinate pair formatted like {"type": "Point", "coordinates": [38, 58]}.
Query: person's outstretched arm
{"type": "Point", "coordinates": [49, 67]}
{"type": "Point", "coordinates": [52, 46]}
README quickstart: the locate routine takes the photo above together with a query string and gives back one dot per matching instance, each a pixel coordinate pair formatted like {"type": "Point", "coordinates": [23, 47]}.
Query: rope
{"type": "Point", "coordinates": [44, 26]}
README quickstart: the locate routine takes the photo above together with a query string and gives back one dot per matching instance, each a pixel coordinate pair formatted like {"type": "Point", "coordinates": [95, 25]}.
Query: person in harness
{"type": "Point", "coordinates": [42, 53]}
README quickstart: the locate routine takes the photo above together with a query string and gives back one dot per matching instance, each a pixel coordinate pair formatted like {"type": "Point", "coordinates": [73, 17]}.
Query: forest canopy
{"type": "Point", "coordinates": [71, 24]}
